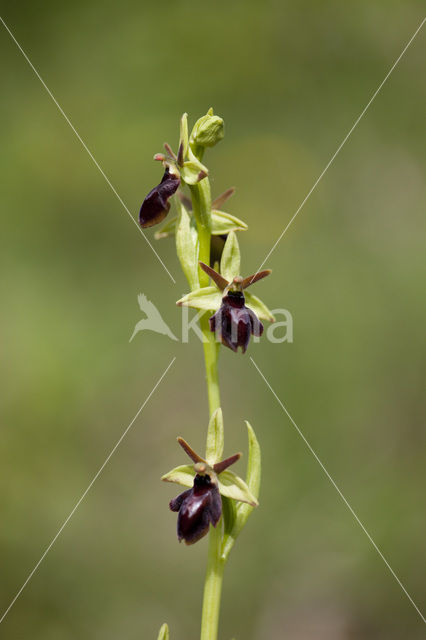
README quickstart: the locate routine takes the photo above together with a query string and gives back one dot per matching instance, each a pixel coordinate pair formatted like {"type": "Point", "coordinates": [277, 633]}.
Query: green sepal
{"type": "Point", "coordinates": [187, 247]}
{"type": "Point", "coordinates": [230, 261]}
{"type": "Point", "coordinates": [184, 475]}
{"type": "Point", "coordinates": [207, 298]}
{"type": "Point", "coordinates": [253, 482]}
{"type": "Point", "coordinates": [223, 223]}
{"type": "Point", "coordinates": [215, 438]}
{"type": "Point", "coordinates": [164, 632]}
{"type": "Point", "coordinates": [232, 486]}
{"type": "Point", "coordinates": [260, 309]}
{"type": "Point", "coordinates": [229, 484]}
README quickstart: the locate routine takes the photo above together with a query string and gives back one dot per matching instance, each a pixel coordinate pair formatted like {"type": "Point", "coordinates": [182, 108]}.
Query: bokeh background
{"type": "Point", "coordinates": [290, 78]}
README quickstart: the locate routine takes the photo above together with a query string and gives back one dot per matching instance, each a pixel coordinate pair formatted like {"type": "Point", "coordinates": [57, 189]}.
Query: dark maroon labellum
{"type": "Point", "coordinates": [156, 205]}
{"type": "Point", "coordinates": [234, 323]}
{"type": "Point", "coordinates": [197, 507]}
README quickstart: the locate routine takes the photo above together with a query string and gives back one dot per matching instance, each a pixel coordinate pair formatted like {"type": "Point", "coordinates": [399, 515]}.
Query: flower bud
{"type": "Point", "coordinates": [207, 131]}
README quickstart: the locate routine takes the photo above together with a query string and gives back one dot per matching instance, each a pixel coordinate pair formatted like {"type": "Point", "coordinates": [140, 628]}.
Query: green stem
{"type": "Point", "coordinates": [210, 358]}
{"type": "Point", "coordinates": [212, 586]}
{"type": "Point", "coordinates": [201, 206]}
{"type": "Point", "coordinates": [215, 565]}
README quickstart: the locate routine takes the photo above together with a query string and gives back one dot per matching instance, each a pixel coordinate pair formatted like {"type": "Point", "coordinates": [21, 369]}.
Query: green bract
{"type": "Point", "coordinates": [215, 438]}
{"type": "Point", "coordinates": [164, 632]}
{"type": "Point", "coordinates": [236, 516]}
{"type": "Point", "coordinates": [187, 247]}
{"type": "Point", "coordinates": [231, 258]}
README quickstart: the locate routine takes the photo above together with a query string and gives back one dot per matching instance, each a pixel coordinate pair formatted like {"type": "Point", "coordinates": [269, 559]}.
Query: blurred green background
{"type": "Point", "coordinates": [290, 78]}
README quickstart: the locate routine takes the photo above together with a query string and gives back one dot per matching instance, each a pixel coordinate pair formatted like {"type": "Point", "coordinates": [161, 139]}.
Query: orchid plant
{"type": "Point", "coordinates": [216, 501]}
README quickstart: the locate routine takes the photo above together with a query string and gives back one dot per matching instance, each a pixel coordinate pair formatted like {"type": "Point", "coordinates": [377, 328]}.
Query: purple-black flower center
{"type": "Point", "coordinates": [234, 323]}
{"type": "Point", "coordinates": [234, 299]}
{"type": "Point", "coordinates": [198, 508]}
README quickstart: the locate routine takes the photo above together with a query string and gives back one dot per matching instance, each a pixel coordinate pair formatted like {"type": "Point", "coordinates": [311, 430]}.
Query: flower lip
{"type": "Point", "coordinates": [156, 205]}
{"type": "Point", "coordinates": [197, 508]}
{"type": "Point", "coordinates": [201, 505]}
{"type": "Point", "coordinates": [234, 323]}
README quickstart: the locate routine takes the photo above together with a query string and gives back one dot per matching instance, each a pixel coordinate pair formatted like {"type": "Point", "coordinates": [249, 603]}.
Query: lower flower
{"type": "Point", "coordinates": [201, 504]}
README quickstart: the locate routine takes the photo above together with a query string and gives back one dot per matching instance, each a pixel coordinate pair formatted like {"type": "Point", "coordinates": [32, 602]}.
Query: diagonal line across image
{"type": "Point", "coordinates": [86, 148]}
{"type": "Point", "coordinates": [84, 494]}
{"type": "Point", "coordinates": [313, 452]}
{"type": "Point", "coordinates": [339, 148]}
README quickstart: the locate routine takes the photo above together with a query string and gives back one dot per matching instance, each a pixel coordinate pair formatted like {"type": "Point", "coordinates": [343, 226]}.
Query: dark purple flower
{"type": "Point", "coordinates": [234, 323]}
{"type": "Point", "coordinates": [197, 507]}
{"type": "Point", "coordinates": [156, 205]}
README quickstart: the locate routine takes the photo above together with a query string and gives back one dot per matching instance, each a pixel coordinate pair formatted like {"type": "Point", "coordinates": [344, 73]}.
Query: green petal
{"type": "Point", "coordinates": [164, 632]}
{"type": "Point", "coordinates": [253, 482]}
{"type": "Point", "coordinates": [184, 475]}
{"type": "Point", "coordinates": [260, 309]}
{"type": "Point", "coordinates": [232, 486]}
{"type": "Point", "coordinates": [224, 223]}
{"type": "Point", "coordinates": [215, 438]}
{"type": "Point", "coordinates": [230, 261]}
{"type": "Point", "coordinates": [187, 247]}
{"type": "Point", "coordinates": [207, 298]}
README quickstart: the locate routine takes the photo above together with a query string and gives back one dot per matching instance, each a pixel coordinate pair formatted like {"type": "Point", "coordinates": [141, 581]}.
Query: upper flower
{"type": "Point", "coordinates": [156, 205]}
{"type": "Point", "coordinates": [184, 166]}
